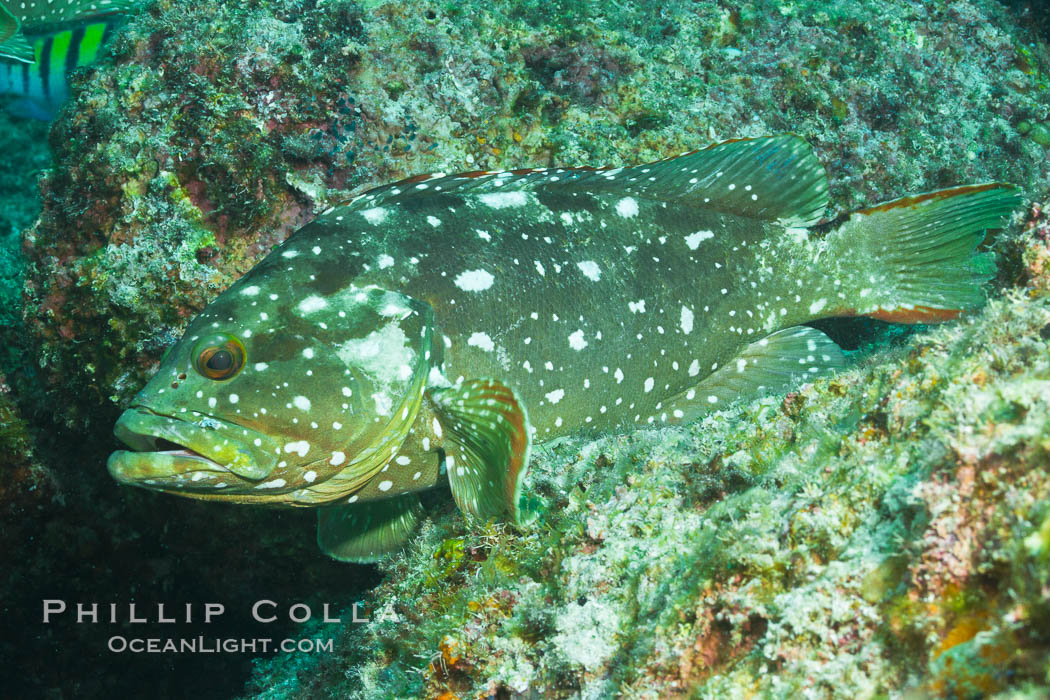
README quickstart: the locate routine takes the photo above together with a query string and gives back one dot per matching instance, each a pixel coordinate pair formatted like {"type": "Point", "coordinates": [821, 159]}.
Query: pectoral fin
{"type": "Point", "coordinates": [773, 364]}
{"type": "Point", "coordinates": [489, 447]}
{"type": "Point", "coordinates": [367, 532]}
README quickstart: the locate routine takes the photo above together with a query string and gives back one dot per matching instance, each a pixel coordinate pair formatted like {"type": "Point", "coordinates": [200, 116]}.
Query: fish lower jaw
{"type": "Point", "coordinates": [169, 470]}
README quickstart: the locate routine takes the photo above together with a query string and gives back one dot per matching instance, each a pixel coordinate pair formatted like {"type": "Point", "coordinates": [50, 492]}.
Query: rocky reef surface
{"type": "Point", "coordinates": [888, 528]}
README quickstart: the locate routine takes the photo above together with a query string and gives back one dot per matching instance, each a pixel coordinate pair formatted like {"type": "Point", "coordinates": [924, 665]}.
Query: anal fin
{"type": "Point", "coordinates": [773, 364]}
{"type": "Point", "coordinates": [367, 532]}
{"type": "Point", "coordinates": [490, 427]}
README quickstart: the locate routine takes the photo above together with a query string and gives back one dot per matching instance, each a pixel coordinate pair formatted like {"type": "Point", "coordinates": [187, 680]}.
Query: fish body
{"type": "Point", "coordinates": [41, 43]}
{"type": "Point", "coordinates": [43, 85]}
{"type": "Point", "coordinates": [436, 328]}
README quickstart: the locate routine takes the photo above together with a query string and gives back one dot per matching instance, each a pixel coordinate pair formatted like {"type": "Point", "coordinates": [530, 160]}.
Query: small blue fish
{"type": "Point", "coordinates": [435, 328]}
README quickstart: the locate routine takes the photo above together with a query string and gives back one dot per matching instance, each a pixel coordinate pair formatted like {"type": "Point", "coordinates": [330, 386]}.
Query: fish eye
{"type": "Point", "coordinates": [218, 357]}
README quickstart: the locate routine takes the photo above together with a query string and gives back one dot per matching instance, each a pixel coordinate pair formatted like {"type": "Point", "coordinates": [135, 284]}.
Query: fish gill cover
{"type": "Point", "coordinates": [879, 530]}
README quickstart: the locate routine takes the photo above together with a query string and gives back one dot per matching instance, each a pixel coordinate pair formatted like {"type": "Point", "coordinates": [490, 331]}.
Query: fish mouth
{"type": "Point", "coordinates": [173, 454]}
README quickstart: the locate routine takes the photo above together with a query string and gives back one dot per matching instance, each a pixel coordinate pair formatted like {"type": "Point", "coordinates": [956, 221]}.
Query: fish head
{"type": "Point", "coordinates": [271, 393]}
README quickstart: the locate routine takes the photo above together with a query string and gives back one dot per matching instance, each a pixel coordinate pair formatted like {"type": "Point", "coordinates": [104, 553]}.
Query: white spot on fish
{"type": "Point", "coordinates": [234, 398]}
{"type": "Point", "coordinates": [311, 304]}
{"type": "Point", "coordinates": [250, 291]}
{"type": "Point", "coordinates": [649, 383]}
{"type": "Point", "coordinates": [590, 270]}
{"type": "Point", "coordinates": [576, 341]}
{"type": "Point", "coordinates": [300, 447]}
{"type": "Point", "coordinates": [501, 200]}
{"type": "Point", "coordinates": [302, 403]}
{"type": "Point", "coordinates": [337, 459]}
{"type": "Point", "coordinates": [637, 307]}
{"type": "Point", "coordinates": [687, 320]}
{"type": "Point", "coordinates": [385, 485]}
{"type": "Point", "coordinates": [260, 366]}
{"type": "Point", "coordinates": [474, 280]}
{"type": "Point", "coordinates": [484, 235]}
{"type": "Point", "coordinates": [627, 207]}
{"type": "Point", "coordinates": [383, 403]}
{"type": "Point", "coordinates": [275, 484]}
{"type": "Point", "coordinates": [555, 396]}
{"type": "Point", "coordinates": [618, 374]}
{"type": "Point", "coordinates": [393, 306]}
{"type": "Point", "coordinates": [816, 306]}
{"type": "Point", "coordinates": [385, 261]}
{"type": "Point", "coordinates": [481, 340]}
{"type": "Point", "coordinates": [308, 353]}
{"type": "Point", "coordinates": [693, 240]}
{"type": "Point", "coordinates": [380, 353]}
{"type": "Point", "coordinates": [434, 221]}
{"type": "Point", "coordinates": [375, 215]}
{"type": "Point", "coordinates": [694, 368]}
{"type": "Point", "coordinates": [310, 476]}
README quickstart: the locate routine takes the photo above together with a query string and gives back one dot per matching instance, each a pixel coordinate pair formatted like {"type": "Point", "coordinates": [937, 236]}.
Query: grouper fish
{"type": "Point", "coordinates": [436, 328]}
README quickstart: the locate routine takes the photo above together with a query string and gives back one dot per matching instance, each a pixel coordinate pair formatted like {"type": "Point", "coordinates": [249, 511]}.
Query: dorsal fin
{"type": "Point", "coordinates": [770, 178]}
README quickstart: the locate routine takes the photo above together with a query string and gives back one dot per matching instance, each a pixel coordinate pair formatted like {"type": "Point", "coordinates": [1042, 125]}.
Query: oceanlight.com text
{"type": "Point", "coordinates": [211, 645]}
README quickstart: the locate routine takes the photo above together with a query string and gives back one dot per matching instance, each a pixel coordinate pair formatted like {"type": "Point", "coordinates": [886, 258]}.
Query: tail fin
{"type": "Point", "coordinates": [914, 259]}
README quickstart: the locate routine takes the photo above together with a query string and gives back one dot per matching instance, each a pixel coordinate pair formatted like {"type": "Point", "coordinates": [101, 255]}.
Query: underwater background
{"type": "Point", "coordinates": [881, 533]}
